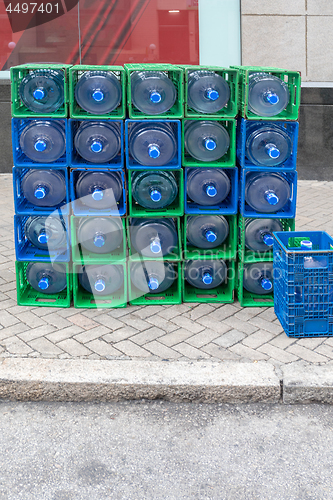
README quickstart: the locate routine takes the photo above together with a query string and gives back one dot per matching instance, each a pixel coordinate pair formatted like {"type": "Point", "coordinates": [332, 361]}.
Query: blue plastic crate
{"type": "Point", "coordinates": [25, 251]}
{"type": "Point", "coordinates": [79, 209]}
{"type": "Point", "coordinates": [74, 159]}
{"type": "Point", "coordinates": [303, 283]}
{"type": "Point", "coordinates": [287, 212]}
{"type": "Point", "coordinates": [176, 161]}
{"type": "Point", "coordinates": [20, 159]}
{"type": "Point", "coordinates": [23, 206]}
{"type": "Point", "coordinates": [229, 206]}
{"type": "Point", "coordinates": [243, 127]}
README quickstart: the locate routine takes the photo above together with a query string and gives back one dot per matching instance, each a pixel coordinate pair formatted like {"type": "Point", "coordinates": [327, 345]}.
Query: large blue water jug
{"type": "Point", "coordinates": [258, 233]}
{"type": "Point", "coordinates": [153, 237]}
{"type": "Point", "coordinates": [207, 231]}
{"type": "Point", "coordinates": [100, 234]}
{"type": "Point", "coordinates": [153, 93]}
{"type": "Point", "coordinates": [153, 276]}
{"type": "Point", "coordinates": [154, 188]}
{"type": "Point", "coordinates": [98, 142]}
{"type": "Point", "coordinates": [268, 145]}
{"type": "Point", "coordinates": [266, 192]}
{"type": "Point", "coordinates": [207, 92]}
{"type": "Point", "coordinates": [42, 90]}
{"type": "Point", "coordinates": [101, 280]}
{"type": "Point", "coordinates": [98, 92]}
{"type": "Point", "coordinates": [152, 144]}
{"type": "Point", "coordinates": [268, 94]}
{"type": "Point", "coordinates": [44, 188]}
{"type": "Point", "coordinates": [43, 141]}
{"type": "Point", "coordinates": [258, 278]}
{"type": "Point", "coordinates": [206, 140]}
{"type": "Point", "coordinates": [205, 274]}
{"type": "Point", "coordinates": [47, 277]}
{"type": "Point", "coordinates": [46, 232]}
{"type": "Point", "coordinates": [99, 190]}
{"type": "Point", "coordinates": [207, 186]}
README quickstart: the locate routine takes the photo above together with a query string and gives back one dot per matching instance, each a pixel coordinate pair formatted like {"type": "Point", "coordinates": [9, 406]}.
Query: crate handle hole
{"type": "Point", "coordinates": [161, 297]}
{"type": "Point", "coordinates": [45, 300]}
{"type": "Point", "coordinates": [211, 296]}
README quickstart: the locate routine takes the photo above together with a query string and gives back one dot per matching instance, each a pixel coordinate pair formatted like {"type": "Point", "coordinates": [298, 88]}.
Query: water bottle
{"type": "Point", "coordinates": [258, 277]}
{"type": "Point", "coordinates": [98, 92]}
{"type": "Point", "coordinates": [268, 94]}
{"type": "Point", "coordinates": [268, 145]}
{"type": "Point", "coordinates": [154, 188]}
{"type": "Point", "coordinates": [207, 231]}
{"type": "Point", "coordinates": [44, 188]}
{"type": "Point", "coordinates": [99, 190]}
{"type": "Point", "coordinates": [153, 93]}
{"type": "Point", "coordinates": [98, 142]}
{"type": "Point", "coordinates": [207, 186]}
{"type": "Point", "coordinates": [207, 92]}
{"type": "Point", "coordinates": [44, 141]}
{"type": "Point", "coordinates": [42, 90]}
{"type": "Point", "coordinates": [47, 277]}
{"type": "Point", "coordinates": [266, 192]}
{"type": "Point", "coordinates": [152, 144]}
{"type": "Point", "coordinates": [100, 235]}
{"type": "Point", "coordinates": [258, 233]}
{"type": "Point", "coordinates": [205, 274]}
{"type": "Point", "coordinates": [46, 232]}
{"type": "Point", "coordinates": [206, 140]}
{"type": "Point", "coordinates": [153, 237]}
{"type": "Point", "coordinates": [101, 280]}
{"type": "Point", "coordinates": [153, 276]}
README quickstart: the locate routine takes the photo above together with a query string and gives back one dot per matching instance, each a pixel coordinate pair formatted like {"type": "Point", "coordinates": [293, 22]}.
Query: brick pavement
{"type": "Point", "coordinates": [178, 332]}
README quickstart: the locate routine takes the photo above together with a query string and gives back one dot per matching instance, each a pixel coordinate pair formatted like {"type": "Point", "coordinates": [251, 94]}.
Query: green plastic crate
{"type": "Point", "coordinates": [28, 296]}
{"type": "Point", "coordinates": [291, 78]}
{"type": "Point", "coordinates": [171, 296]}
{"type": "Point", "coordinates": [86, 300]}
{"type": "Point", "coordinates": [247, 256]}
{"type": "Point", "coordinates": [81, 255]}
{"type": "Point", "coordinates": [227, 251]}
{"type": "Point", "coordinates": [223, 294]}
{"type": "Point", "coordinates": [174, 257]}
{"type": "Point", "coordinates": [76, 111]}
{"type": "Point", "coordinates": [230, 110]}
{"type": "Point", "coordinates": [175, 73]}
{"type": "Point", "coordinates": [176, 209]}
{"type": "Point", "coordinates": [227, 160]}
{"type": "Point", "coordinates": [17, 73]}
{"type": "Point", "coordinates": [248, 299]}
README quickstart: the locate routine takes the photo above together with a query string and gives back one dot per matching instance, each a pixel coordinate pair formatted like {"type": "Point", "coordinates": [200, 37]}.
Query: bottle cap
{"type": "Point", "coordinates": [99, 285]}
{"type": "Point", "coordinates": [99, 240]}
{"type": "Point", "coordinates": [98, 95]}
{"type": "Point", "coordinates": [40, 145]}
{"type": "Point", "coordinates": [40, 193]}
{"type": "Point", "coordinates": [212, 95]}
{"type": "Point", "coordinates": [271, 198]}
{"type": "Point", "coordinates": [155, 195]}
{"type": "Point", "coordinates": [155, 97]}
{"type": "Point", "coordinates": [155, 246]}
{"type": "Point", "coordinates": [211, 191]}
{"type": "Point", "coordinates": [266, 284]}
{"type": "Point", "coordinates": [210, 236]}
{"type": "Point", "coordinates": [207, 278]}
{"type": "Point", "coordinates": [39, 94]}
{"type": "Point", "coordinates": [210, 144]}
{"type": "Point", "coordinates": [153, 284]}
{"type": "Point", "coordinates": [97, 194]}
{"type": "Point", "coordinates": [271, 97]}
{"type": "Point", "coordinates": [307, 245]}
{"type": "Point", "coordinates": [268, 239]}
{"type": "Point", "coordinates": [43, 237]}
{"type": "Point", "coordinates": [44, 283]}
{"type": "Point", "coordinates": [272, 151]}
{"type": "Point", "coordinates": [96, 147]}
{"type": "Point", "coordinates": [154, 151]}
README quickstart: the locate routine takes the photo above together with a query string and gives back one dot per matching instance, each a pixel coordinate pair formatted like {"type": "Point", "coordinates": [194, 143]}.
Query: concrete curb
{"type": "Point", "coordinates": [307, 383]}
{"type": "Point", "coordinates": [26, 379]}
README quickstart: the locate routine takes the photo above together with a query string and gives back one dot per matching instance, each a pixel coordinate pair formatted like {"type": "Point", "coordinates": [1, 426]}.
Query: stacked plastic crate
{"type": "Point", "coordinates": [41, 194]}
{"type": "Point", "coordinates": [211, 184]}
{"type": "Point", "coordinates": [267, 133]}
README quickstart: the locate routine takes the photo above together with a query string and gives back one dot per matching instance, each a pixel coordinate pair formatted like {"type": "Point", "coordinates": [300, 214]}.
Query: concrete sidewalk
{"type": "Point", "coordinates": [186, 333]}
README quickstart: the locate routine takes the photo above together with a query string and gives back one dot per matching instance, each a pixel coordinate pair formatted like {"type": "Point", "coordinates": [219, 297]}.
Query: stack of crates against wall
{"type": "Point", "coordinates": [266, 151]}
{"type": "Point", "coordinates": [40, 181]}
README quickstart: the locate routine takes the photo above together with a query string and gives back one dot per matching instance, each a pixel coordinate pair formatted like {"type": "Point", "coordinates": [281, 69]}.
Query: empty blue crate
{"type": "Point", "coordinates": [228, 206]}
{"type": "Point", "coordinates": [267, 144]}
{"type": "Point", "coordinates": [303, 283]}
{"type": "Point", "coordinates": [96, 142]}
{"type": "Point", "coordinates": [56, 228]}
{"type": "Point", "coordinates": [31, 186]}
{"type": "Point", "coordinates": [153, 144]}
{"type": "Point", "coordinates": [269, 193]}
{"type": "Point", "coordinates": [39, 141]}
{"type": "Point", "coordinates": [81, 201]}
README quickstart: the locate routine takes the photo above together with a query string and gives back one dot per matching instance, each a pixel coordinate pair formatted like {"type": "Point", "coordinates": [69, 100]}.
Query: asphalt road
{"type": "Point", "coordinates": [159, 450]}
